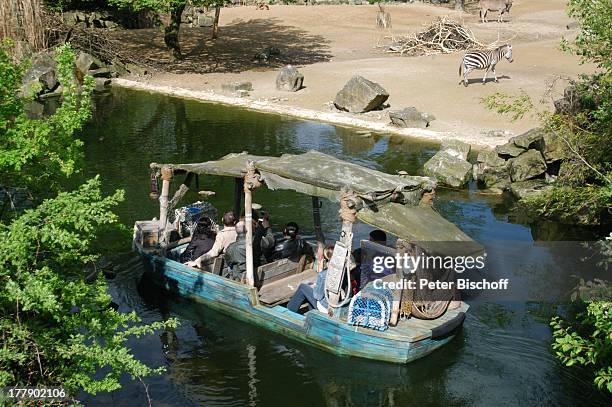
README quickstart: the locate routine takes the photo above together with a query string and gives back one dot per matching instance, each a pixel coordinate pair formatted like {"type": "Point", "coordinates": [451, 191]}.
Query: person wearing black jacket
{"type": "Point", "coordinates": [202, 240]}
{"type": "Point", "coordinates": [293, 247]}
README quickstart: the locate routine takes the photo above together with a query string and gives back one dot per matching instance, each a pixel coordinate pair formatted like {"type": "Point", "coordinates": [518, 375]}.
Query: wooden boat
{"type": "Point", "coordinates": [400, 205]}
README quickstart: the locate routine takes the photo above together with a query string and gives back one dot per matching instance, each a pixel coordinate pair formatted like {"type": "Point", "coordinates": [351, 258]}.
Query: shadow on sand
{"type": "Point", "coordinates": [234, 50]}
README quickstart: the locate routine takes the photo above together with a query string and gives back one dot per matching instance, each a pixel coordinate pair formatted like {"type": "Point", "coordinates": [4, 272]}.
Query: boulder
{"type": "Point", "coordinates": [528, 165]}
{"type": "Point", "coordinates": [494, 178]}
{"type": "Point", "coordinates": [70, 18]}
{"type": "Point", "coordinates": [101, 72]}
{"type": "Point", "coordinates": [448, 169]}
{"type": "Point", "coordinates": [205, 20]}
{"type": "Point", "coordinates": [360, 95]}
{"type": "Point", "coordinates": [530, 139]}
{"type": "Point", "coordinates": [491, 158]}
{"type": "Point", "coordinates": [529, 188]}
{"type": "Point", "coordinates": [118, 67]}
{"type": "Point", "coordinates": [509, 149]}
{"type": "Point", "coordinates": [289, 79]}
{"type": "Point", "coordinates": [43, 72]}
{"type": "Point", "coordinates": [410, 117]}
{"type": "Point", "coordinates": [492, 170]}
{"type": "Point", "coordinates": [236, 86]}
{"type": "Point", "coordinates": [102, 85]}
{"type": "Point", "coordinates": [55, 93]}
{"type": "Point", "coordinates": [84, 62]}
{"type": "Point", "coordinates": [456, 148]}
{"type": "Point", "coordinates": [553, 148]}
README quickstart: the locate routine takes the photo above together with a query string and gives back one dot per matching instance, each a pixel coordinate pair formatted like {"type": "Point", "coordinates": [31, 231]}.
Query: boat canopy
{"type": "Point", "coordinates": [317, 174]}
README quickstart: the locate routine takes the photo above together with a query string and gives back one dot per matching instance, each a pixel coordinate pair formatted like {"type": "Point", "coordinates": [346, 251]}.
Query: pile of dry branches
{"type": "Point", "coordinates": [443, 36]}
{"type": "Point", "coordinates": [91, 40]}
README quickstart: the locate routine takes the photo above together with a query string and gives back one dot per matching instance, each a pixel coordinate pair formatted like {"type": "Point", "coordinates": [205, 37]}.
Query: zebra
{"type": "Point", "coordinates": [484, 60]}
{"type": "Point", "coordinates": [501, 6]}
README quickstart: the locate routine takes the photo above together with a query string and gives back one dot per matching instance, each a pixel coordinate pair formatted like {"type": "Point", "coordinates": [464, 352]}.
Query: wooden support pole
{"type": "Point", "coordinates": [251, 181]}
{"type": "Point", "coordinates": [166, 173]}
{"type": "Point", "coordinates": [248, 220]}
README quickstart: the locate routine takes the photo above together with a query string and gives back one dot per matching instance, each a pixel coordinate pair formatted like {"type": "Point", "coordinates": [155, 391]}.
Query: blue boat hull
{"type": "Point", "coordinates": [313, 328]}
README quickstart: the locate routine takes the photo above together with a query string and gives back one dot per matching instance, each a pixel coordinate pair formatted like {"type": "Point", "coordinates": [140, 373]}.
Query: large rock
{"type": "Point", "coordinates": [410, 117]}
{"type": "Point", "coordinates": [289, 79]}
{"type": "Point", "coordinates": [102, 85]}
{"type": "Point", "coordinates": [84, 62]}
{"type": "Point", "coordinates": [456, 148]}
{"type": "Point", "coordinates": [490, 158]}
{"type": "Point", "coordinates": [530, 139]}
{"type": "Point", "coordinates": [492, 170]}
{"type": "Point", "coordinates": [553, 148]}
{"type": "Point", "coordinates": [205, 20]}
{"type": "Point", "coordinates": [43, 72]}
{"type": "Point", "coordinates": [529, 188]}
{"type": "Point", "coordinates": [509, 150]}
{"type": "Point", "coordinates": [360, 95]}
{"type": "Point", "coordinates": [448, 169]}
{"type": "Point", "coordinates": [528, 165]}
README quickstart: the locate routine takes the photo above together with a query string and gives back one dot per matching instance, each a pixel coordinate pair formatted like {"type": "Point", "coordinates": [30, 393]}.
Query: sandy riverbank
{"type": "Point", "coordinates": [332, 43]}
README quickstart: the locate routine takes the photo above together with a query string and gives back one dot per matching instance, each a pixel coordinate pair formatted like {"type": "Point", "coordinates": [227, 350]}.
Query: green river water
{"type": "Point", "coordinates": [501, 356]}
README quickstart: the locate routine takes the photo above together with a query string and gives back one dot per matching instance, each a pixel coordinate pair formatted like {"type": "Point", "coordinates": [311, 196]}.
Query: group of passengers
{"type": "Point", "coordinates": [207, 243]}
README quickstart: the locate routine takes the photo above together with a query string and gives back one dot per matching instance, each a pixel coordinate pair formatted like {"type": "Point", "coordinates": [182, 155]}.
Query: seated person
{"type": "Point", "coordinates": [235, 255]}
{"type": "Point", "coordinates": [293, 246]}
{"type": "Point", "coordinates": [362, 273]}
{"type": "Point", "coordinates": [202, 240]}
{"type": "Point", "coordinates": [263, 239]}
{"type": "Point", "coordinates": [313, 294]}
{"type": "Point", "coordinates": [224, 238]}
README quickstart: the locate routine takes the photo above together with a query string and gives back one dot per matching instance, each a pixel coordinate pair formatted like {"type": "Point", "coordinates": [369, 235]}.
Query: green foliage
{"type": "Point", "coordinates": [594, 41]}
{"type": "Point", "coordinates": [587, 342]}
{"type": "Point", "coordinates": [516, 106]}
{"type": "Point", "coordinates": [581, 205]}
{"type": "Point", "coordinates": [584, 127]}
{"type": "Point", "coordinates": [37, 154]}
{"type": "Point", "coordinates": [56, 328]}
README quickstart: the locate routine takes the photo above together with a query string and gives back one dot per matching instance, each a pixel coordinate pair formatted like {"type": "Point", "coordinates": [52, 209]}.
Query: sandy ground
{"type": "Point", "coordinates": [332, 43]}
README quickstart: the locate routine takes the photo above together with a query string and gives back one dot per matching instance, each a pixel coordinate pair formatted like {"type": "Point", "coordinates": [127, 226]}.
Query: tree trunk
{"type": "Point", "coordinates": [215, 30]}
{"type": "Point", "coordinates": [460, 5]}
{"type": "Point", "coordinates": [21, 21]}
{"type": "Point", "coordinates": [171, 32]}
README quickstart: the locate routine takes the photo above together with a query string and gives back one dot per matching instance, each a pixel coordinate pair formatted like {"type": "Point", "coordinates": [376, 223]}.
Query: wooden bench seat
{"type": "Point", "coordinates": [281, 291]}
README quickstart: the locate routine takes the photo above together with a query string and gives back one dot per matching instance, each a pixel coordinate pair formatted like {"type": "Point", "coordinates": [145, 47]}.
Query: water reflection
{"type": "Point", "coordinates": [501, 357]}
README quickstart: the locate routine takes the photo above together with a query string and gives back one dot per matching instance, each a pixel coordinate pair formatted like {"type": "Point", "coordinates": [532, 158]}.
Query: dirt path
{"type": "Point", "coordinates": [332, 43]}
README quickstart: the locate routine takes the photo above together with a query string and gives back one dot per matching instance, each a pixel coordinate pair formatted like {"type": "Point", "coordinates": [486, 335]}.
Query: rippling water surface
{"type": "Point", "coordinates": [501, 357]}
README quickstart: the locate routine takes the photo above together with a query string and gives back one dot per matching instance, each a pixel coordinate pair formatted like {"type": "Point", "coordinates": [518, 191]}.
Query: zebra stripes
{"type": "Point", "coordinates": [484, 60]}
